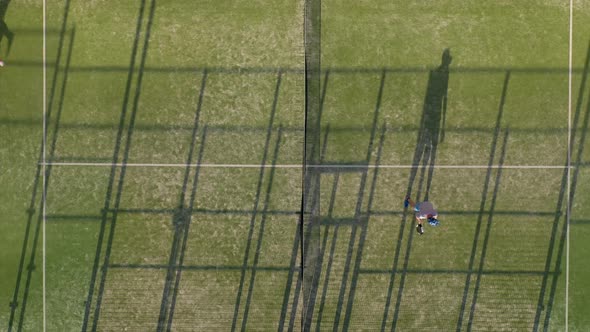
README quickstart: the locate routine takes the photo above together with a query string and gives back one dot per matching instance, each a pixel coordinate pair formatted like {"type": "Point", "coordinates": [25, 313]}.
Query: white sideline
{"type": "Point", "coordinates": [308, 166]}
{"type": "Point", "coordinates": [43, 191]}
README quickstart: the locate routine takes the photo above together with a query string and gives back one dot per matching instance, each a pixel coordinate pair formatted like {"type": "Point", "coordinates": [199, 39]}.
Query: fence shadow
{"type": "Point", "coordinates": [45, 153]}
{"type": "Point", "coordinates": [109, 218]}
{"type": "Point", "coordinates": [430, 133]}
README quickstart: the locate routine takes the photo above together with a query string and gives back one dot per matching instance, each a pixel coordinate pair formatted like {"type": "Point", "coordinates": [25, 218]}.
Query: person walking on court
{"type": "Point", "coordinates": [424, 211]}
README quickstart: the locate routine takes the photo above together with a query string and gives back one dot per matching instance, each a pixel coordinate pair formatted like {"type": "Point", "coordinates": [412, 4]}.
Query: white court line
{"type": "Point", "coordinates": [309, 166]}
{"type": "Point", "coordinates": [44, 158]}
{"type": "Point", "coordinates": [569, 162]}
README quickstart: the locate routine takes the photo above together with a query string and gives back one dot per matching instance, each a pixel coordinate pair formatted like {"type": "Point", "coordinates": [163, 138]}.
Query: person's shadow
{"type": "Point", "coordinates": [4, 30]}
{"type": "Point", "coordinates": [432, 123]}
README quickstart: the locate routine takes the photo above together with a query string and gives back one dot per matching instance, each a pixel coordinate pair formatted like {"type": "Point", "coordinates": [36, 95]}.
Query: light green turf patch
{"type": "Point", "coordinates": [502, 303]}
{"type": "Point", "coordinates": [131, 299]}
{"type": "Point", "coordinates": [285, 194]}
{"type": "Point", "coordinates": [222, 189]}
{"type": "Point", "coordinates": [370, 301]}
{"type": "Point", "coordinates": [71, 247]}
{"type": "Point", "coordinates": [440, 309]}
{"type": "Point", "coordinates": [230, 33]}
{"type": "Point", "coordinates": [215, 241]}
{"type": "Point", "coordinates": [381, 243]}
{"type": "Point", "coordinates": [340, 239]}
{"type": "Point", "coordinates": [345, 199]}
{"type": "Point", "coordinates": [152, 188]}
{"type": "Point", "coordinates": [265, 308]}
{"type": "Point", "coordinates": [279, 234]}
{"type": "Point", "coordinates": [206, 299]}
{"type": "Point", "coordinates": [142, 239]}
{"type": "Point", "coordinates": [403, 34]}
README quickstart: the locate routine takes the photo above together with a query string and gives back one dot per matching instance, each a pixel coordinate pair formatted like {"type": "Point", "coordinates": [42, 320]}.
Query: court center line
{"type": "Point", "coordinates": [298, 166]}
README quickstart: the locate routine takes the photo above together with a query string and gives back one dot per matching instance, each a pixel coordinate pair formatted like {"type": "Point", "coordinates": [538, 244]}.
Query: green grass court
{"type": "Point", "coordinates": [163, 189]}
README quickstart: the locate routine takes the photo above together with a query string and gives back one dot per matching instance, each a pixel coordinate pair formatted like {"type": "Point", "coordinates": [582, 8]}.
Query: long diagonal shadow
{"type": "Point", "coordinates": [482, 205]}
{"type": "Point", "coordinates": [358, 214]}
{"type": "Point", "coordinates": [418, 153]}
{"type": "Point", "coordinates": [115, 158]}
{"type": "Point", "coordinates": [364, 222]}
{"type": "Point", "coordinates": [31, 210]}
{"type": "Point", "coordinates": [123, 170]}
{"type": "Point", "coordinates": [332, 247]}
{"type": "Point", "coordinates": [487, 233]}
{"type": "Point", "coordinates": [256, 202]}
{"type": "Point", "coordinates": [261, 232]}
{"type": "Point", "coordinates": [191, 201]}
{"type": "Point", "coordinates": [186, 231]}
{"type": "Point", "coordinates": [393, 272]}
{"type": "Point", "coordinates": [408, 246]}
{"type": "Point", "coordinates": [570, 203]}
{"type": "Point", "coordinates": [181, 220]}
{"type": "Point", "coordinates": [51, 153]}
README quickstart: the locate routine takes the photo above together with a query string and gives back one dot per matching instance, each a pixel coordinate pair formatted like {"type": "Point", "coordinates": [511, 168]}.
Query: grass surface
{"type": "Point", "coordinates": [234, 68]}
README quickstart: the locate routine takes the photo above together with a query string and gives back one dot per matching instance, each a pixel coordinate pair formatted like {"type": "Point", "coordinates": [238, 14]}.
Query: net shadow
{"type": "Point", "coordinates": [41, 171]}
{"type": "Point", "coordinates": [114, 171]}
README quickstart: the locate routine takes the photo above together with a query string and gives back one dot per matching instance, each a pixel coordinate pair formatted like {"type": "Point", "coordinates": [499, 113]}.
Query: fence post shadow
{"type": "Point", "coordinates": [261, 231]}
{"type": "Point", "coordinates": [487, 232]}
{"type": "Point", "coordinates": [484, 194]}
{"type": "Point", "coordinates": [39, 170]}
{"type": "Point", "coordinates": [113, 173]}
{"type": "Point", "coordinates": [123, 170]}
{"type": "Point", "coordinates": [569, 204]}
{"type": "Point", "coordinates": [254, 215]}
{"type": "Point", "coordinates": [192, 198]}
{"type": "Point", "coordinates": [358, 217]}
{"type": "Point", "coordinates": [364, 223]}
{"type": "Point", "coordinates": [182, 220]}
